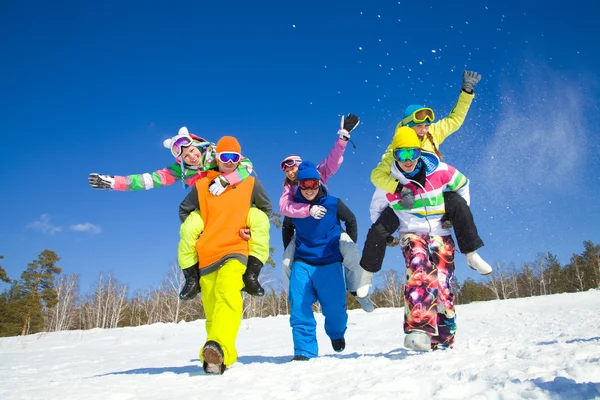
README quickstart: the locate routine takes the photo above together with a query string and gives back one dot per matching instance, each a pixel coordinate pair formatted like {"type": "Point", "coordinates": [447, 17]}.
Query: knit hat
{"type": "Point", "coordinates": [183, 139]}
{"type": "Point", "coordinates": [410, 110]}
{"type": "Point", "coordinates": [308, 170]}
{"type": "Point", "coordinates": [228, 144]}
{"type": "Point", "coordinates": [405, 138]}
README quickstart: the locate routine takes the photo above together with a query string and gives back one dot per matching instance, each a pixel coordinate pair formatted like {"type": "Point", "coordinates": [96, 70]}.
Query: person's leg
{"type": "Point", "coordinates": [458, 214]}
{"type": "Point", "coordinates": [258, 248]}
{"type": "Point", "coordinates": [375, 244]}
{"type": "Point", "coordinates": [187, 256]}
{"type": "Point", "coordinates": [302, 320]}
{"type": "Point", "coordinates": [288, 259]}
{"type": "Point", "coordinates": [421, 290]}
{"type": "Point", "coordinates": [329, 285]}
{"type": "Point", "coordinates": [227, 309]}
{"type": "Point", "coordinates": [442, 251]}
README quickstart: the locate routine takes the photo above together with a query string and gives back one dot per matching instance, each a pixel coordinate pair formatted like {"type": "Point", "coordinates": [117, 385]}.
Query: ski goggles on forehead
{"type": "Point", "coordinates": [229, 157]}
{"type": "Point", "coordinates": [404, 155]}
{"type": "Point", "coordinates": [178, 144]}
{"type": "Point", "coordinates": [289, 164]}
{"type": "Point", "coordinates": [309, 184]}
{"type": "Point", "coordinates": [420, 116]}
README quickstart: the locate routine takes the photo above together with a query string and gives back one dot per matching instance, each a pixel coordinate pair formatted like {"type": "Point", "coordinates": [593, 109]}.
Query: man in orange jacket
{"type": "Point", "coordinates": [223, 253]}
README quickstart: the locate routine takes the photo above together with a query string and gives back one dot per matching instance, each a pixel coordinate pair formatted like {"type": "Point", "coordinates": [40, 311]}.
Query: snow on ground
{"type": "Point", "coordinates": [534, 348]}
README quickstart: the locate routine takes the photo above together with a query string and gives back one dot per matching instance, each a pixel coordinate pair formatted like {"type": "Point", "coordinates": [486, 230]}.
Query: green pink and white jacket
{"type": "Point", "coordinates": [426, 214]}
{"type": "Point", "coordinates": [186, 173]}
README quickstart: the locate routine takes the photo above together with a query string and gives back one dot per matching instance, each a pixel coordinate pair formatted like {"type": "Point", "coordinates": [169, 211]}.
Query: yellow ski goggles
{"type": "Point", "coordinates": [420, 116]}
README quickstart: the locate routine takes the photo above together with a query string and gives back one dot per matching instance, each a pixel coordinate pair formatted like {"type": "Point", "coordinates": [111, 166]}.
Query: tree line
{"type": "Point", "coordinates": [45, 300]}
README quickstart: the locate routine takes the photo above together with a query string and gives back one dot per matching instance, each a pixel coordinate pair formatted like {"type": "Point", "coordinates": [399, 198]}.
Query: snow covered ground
{"type": "Point", "coordinates": [535, 348]}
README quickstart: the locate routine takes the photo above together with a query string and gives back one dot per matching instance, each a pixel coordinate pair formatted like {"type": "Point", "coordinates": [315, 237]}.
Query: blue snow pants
{"type": "Point", "coordinates": [309, 283]}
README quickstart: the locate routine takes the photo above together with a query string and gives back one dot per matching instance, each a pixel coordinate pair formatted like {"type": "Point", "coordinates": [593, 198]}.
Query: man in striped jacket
{"type": "Point", "coordinates": [428, 248]}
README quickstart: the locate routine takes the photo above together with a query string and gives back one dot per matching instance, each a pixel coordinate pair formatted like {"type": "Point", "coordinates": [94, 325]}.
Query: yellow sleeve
{"type": "Point", "coordinates": [259, 224]}
{"type": "Point", "coordinates": [189, 232]}
{"type": "Point", "coordinates": [446, 126]}
{"type": "Point", "coordinates": [380, 176]}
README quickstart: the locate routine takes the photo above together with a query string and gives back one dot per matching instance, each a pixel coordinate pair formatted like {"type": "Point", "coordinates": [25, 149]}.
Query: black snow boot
{"type": "Point", "coordinates": [213, 356]}
{"type": "Point", "coordinates": [191, 288]}
{"type": "Point", "coordinates": [300, 358]}
{"type": "Point", "coordinates": [338, 344]}
{"type": "Point", "coordinates": [251, 283]}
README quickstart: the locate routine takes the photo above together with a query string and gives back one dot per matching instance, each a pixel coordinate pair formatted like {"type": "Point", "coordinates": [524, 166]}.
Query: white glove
{"type": "Point", "coordinates": [317, 212]}
{"type": "Point", "coordinates": [98, 181]}
{"type": "Point", "coordinates": [218, 186]}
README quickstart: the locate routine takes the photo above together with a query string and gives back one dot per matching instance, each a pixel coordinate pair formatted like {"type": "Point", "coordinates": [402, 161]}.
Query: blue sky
{"type": "Point", "coordinates": [97, 87]}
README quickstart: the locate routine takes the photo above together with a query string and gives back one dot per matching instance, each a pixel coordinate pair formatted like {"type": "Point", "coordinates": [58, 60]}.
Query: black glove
{"type": "Point", "coordinates": [98, 181]}
{"type": "Point", "coordinates": [350, 122]}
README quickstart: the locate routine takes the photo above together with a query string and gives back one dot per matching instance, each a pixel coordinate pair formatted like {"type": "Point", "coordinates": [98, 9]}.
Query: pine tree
{"type": "Point", "coordinates": [3, 276]}
{"type": "Point", "coordinates": [39, 293]}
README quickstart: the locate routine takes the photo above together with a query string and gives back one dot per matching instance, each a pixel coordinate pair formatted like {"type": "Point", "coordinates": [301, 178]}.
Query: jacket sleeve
{"type": "Point", "coordinates": [189, 232]}
{"type": "Point", "coordinates": [344, 214]}
{"type": "Point", "coordinates": [259, 224]}
{"type": "Point", "coordinates": [243, 171]}
{"type": "Point", "coordinates": [332, 162]}
{"type": "Point", "coordinates": [260, 199]}
{"type": "Point", "coordinates": [287, 231]}
{"type": "Point", "coordinates": [446, 126]}
{"type": "Point", "coordinates": [288, 207]}
{"type": "Point", "coordinates": [458, 183]}
{"type": "Point", "coordinates": [149, 180]}
{"type": "Point", "coordinates": [380, 176]}
{"type": "Point", "coordinates": [189, 204]}
{"type": "Point", "coordinates": [379, 202]}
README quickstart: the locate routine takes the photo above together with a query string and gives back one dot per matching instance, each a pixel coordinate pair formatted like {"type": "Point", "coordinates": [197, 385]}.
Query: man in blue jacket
{"type": "Point", "coordinates": [317, 269]}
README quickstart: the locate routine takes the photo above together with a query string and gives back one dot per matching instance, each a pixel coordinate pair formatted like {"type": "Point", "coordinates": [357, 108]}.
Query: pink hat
{"type": "Point", "coordinates": [290, 161]}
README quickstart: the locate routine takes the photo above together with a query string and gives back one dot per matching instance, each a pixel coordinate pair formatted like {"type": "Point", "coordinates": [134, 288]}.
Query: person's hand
{"type": "Point", "coordinates": [407, 194]}
{"type": "Point", "coordinates": [98, 181]}
{"type": "Point", "coordinates": [218, 186]}
{"type": "Point", "coordinates": [392, 241]}
{"type": "Point", "coordinates": [245, 233]}
{"type": "Point", "coordinates": [347, 124]}
{"type": "Point", "coordinates": [317, 212]}
{"type": "Point", "coordinates": [470, 80]}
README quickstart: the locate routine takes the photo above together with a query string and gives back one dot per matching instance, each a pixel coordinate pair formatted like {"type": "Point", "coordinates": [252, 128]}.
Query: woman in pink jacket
{"type": "Point", "coordinates": [358, 281]}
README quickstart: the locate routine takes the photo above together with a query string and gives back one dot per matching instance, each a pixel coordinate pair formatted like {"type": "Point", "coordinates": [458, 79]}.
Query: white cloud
{"type": "Point", "coordinates": [86, 227]}
{"type": "Point", "coordinates": [44, 225]}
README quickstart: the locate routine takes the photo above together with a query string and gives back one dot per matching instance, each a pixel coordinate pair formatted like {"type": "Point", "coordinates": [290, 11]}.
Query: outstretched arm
{"type": "Point", "coordinates": [162, 177]}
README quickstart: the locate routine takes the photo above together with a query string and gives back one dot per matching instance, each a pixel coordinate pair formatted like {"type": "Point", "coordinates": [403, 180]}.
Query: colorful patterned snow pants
{"type": "Point", "coordinates": [428, 297]}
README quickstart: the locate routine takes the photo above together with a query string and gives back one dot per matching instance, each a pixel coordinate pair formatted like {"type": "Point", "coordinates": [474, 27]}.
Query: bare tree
{"type": "Point", "coordinates": [104, 309]}
{"type": "Point", "coordinates": [393, 289]}
{"type": "Point", "coordinates": [501, 284]}
{"type": "Point", "coordinates": [63, 316]}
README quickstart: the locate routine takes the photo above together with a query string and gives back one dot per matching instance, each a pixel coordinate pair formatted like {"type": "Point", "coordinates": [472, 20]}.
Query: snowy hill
{"type": "Point", "coordinates": [536, 348]}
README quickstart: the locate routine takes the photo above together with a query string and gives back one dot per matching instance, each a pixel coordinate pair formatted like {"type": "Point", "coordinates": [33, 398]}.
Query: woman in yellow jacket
{"type": "Point", "coordinates": [458, 214]}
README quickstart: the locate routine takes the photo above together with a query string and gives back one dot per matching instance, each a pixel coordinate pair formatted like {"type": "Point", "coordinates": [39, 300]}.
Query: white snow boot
{"type": "Point", "coordinates": [365, 284]}
{"type": "Point", "coordinates": [417, 341]}
{"type": "Point", "coordinates": [478, 264]}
